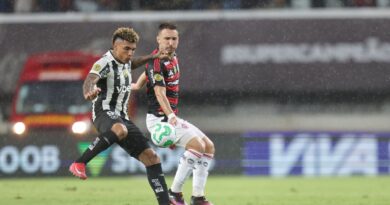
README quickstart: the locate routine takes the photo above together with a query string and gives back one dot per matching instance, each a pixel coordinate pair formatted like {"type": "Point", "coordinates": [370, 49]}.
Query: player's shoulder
{"type": "Point", "coordinates": [153, 63]}
{"type": "Point", "coordinates": [101, 63]}
{"type": "Point", "coordinates": [105, 59]}
{"type": "Point", "coordinates": [154, 52]}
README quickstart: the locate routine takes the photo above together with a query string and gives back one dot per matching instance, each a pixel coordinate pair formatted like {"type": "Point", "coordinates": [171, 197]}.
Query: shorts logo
{"type": "Point", "coordinates": [184, 125]}
{"type": "Point", "coordinates": [158, 77]}
{"type": "Point", "coordinates": [112, 115]}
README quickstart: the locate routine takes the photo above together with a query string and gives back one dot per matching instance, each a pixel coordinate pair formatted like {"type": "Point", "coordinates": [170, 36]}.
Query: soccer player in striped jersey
{"type": "Point", "coordinates": [162, 79]}
{"type": "Point", "coordinates": [108, 87]}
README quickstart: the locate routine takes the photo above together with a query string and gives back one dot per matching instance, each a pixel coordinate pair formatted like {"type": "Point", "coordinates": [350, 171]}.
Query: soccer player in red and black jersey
{"type": "Point", "coordinates": [162, 79]}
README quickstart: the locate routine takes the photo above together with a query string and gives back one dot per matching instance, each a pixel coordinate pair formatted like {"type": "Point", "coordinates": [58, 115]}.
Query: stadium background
{"type": "Point", "coordinates": [281, 92]}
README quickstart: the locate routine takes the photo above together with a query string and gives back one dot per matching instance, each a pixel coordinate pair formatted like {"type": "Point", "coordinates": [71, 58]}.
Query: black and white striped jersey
{"type": "Point", "coordinates": [114, 82]}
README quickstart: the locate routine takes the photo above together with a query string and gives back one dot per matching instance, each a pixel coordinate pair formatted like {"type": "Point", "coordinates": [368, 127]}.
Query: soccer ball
{"type": "Point", "coordinates": [163, 134]}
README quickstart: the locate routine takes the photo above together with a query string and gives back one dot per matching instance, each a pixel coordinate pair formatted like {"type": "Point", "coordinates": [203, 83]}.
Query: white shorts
{"type": "Point", "coordinates": [185, 131]}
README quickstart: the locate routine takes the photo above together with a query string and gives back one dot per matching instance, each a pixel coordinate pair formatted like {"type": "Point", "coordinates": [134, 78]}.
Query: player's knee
{"type": "Point", "coordinates": [120, 130]}
{"type": "Point", "coordinates": [197, 144]}
{"type": "Point", "coordinates": [209, 145]}
{"type": "Point", "coordinates": [149, 157]}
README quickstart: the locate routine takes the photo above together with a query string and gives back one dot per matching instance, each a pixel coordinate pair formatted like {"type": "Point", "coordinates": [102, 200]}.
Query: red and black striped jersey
{"type": "Point", "coordinates": [162, 73]}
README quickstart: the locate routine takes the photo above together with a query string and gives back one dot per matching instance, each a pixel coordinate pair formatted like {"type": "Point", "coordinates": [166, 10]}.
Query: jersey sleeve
{"type": "Point", "coordinates": [155, 73]}
{"type": "Point", "coordinates": [100, 68]}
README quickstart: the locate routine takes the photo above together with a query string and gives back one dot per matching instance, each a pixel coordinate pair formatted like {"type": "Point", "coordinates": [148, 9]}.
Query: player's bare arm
{"type": "Point", "coordinates": [141, 81]}
{"type": "Point", "coordinates": [139, 61]}
{"type": "Point", "coordinates": [162, 99]}
{"type": "Point", "coordinates": [90, 90]}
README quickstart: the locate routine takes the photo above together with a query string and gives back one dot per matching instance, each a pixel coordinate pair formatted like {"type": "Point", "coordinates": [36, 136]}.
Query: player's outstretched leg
{"type": "Point", "coordinates": [101, 143]}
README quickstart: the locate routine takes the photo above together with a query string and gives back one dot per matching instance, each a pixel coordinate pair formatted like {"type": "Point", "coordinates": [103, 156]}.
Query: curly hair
{"type": "Point", "coordinates": [125, 33]}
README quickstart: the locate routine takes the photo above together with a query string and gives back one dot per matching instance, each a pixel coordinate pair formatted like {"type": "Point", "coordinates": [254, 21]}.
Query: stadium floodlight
{"type": "Point", "coordinates": [80, 127]}
{"type": "Point", "coordinates": [19, 128]}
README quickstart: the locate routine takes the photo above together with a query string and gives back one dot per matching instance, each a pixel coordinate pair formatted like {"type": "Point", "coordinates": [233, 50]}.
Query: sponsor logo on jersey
{"type": "Point", "coordinates": [123, 88]}
{"type": "Point", "coordinates": [151, 74]}
{"type": "Point", "coordinates": [176, 82]}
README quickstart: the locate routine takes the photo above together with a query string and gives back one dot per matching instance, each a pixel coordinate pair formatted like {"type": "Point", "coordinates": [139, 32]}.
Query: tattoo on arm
{"type": "Point", "coordinates": [90, 83]}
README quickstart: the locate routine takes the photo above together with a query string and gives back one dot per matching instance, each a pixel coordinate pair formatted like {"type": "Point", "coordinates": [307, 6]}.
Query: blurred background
{"type": "Point", "coordinates": [283, 87]}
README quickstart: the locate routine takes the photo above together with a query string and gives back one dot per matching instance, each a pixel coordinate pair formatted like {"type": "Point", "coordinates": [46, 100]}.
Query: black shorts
{"type": "Point", "coordinates": [135, 142]}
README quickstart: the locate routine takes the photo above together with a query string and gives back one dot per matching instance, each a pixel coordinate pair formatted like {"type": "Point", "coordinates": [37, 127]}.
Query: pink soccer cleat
{"type": "Point", "coordinates": [78, 170]}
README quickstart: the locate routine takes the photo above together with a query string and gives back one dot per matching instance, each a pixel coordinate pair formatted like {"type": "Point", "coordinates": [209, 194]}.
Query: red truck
{"type": "Point", "coordinates": [49, 93]}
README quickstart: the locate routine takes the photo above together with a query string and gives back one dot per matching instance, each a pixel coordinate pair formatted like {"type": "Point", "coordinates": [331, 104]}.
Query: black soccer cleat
{"type": "Point", "coordinates": [200, 201]}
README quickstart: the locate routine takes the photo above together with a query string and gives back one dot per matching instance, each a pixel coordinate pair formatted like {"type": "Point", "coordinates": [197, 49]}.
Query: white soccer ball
{"type": "Point", "coordinates": [163, 134]}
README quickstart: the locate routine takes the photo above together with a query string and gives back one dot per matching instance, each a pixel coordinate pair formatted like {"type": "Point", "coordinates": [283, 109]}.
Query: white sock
{"type": "Point", "coordinates": [200, 175]}
{"type": "Point", "coordinates": [186, 165]}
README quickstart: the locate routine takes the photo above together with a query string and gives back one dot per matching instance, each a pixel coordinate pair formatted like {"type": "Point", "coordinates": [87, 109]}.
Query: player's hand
{"type": "Point", "coordinates": [134, 86]}
{"type": "Point", "coordinates": [172, 147]}
{"type": "Point", "coordinates": [163, 55]}
{"type": "Point", "coordinates": [92, 94]}
{"type": "Point", "coordinates": [173, 121]}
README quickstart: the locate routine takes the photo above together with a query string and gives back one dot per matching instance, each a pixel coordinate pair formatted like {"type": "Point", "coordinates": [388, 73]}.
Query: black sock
{"type": "Point", "coordinates": [157, 182]}
{"type": "Point", "coordinates": [102, 142]}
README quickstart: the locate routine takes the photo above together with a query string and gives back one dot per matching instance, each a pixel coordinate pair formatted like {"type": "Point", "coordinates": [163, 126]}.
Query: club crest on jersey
{"type": "Point", "coordinates": [184, 125]}
{"type": "Point", "coordinates": [126, 73]}
{"type": "Point", "coordinates": [158, 77]}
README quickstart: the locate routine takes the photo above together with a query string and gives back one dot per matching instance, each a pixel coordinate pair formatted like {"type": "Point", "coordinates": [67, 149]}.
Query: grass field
{"type": "Point", "coordinates": [221, 191]}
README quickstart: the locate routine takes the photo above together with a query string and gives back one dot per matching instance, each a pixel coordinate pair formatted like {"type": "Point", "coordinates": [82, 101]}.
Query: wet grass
{"type": "Point", "coordinates": [226, 190]}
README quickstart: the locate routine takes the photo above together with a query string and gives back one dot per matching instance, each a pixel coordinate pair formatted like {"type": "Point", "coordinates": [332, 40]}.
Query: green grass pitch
{"type": "Point", "coordinates": [221, 190]}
